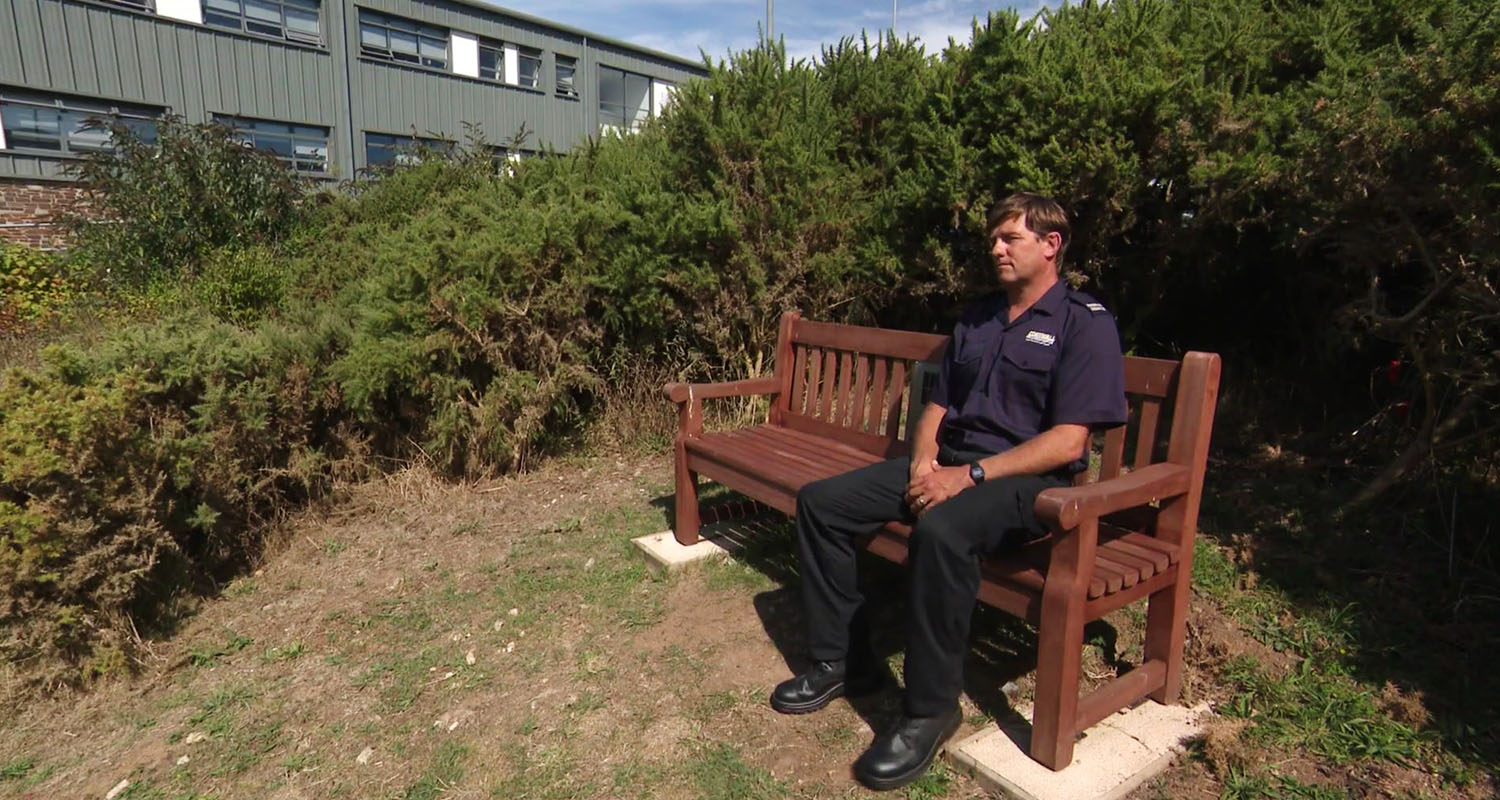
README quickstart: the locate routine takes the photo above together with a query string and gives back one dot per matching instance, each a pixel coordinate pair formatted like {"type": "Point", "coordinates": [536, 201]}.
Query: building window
{"type": "Point", "coordinates": [383, 149]}
{"type": "Point", "coordinates": [491, 60]}
{"type": "Point", "coordinates": [529, 69]}
{"type": "Point", "coordinates": [625, 98]}
{"type": "Point", "coordinates": [567, 71]}
{"type": "Point", "coordinates": [68, 125]}
{"type": "Point", "coordinates": [397, 39]}
{"type": "Point", "coordinates": [285, 19]}
{"type": "Point", "coordinates": [304, 148]}
{"type": "Point", "coordinates": [144, 5]}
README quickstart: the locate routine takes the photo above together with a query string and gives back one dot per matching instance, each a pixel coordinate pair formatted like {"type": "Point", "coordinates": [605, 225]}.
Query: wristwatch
{"type": "Point", "coordinates": [976, 473]}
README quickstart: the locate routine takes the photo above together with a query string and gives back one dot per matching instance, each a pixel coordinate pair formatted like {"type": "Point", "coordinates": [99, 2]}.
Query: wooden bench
{"type": "Point", "coordinates": [1124, 534]}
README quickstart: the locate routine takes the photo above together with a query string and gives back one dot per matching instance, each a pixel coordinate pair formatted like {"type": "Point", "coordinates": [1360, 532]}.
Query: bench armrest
{"type": "Point", "coordinates": [1063, 508]}
{"type": "Point", "coordinates": [682, 392]}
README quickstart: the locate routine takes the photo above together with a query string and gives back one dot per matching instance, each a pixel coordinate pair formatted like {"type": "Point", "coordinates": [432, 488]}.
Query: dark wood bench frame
{"type": "Point", "coordinates": [1126, 534]}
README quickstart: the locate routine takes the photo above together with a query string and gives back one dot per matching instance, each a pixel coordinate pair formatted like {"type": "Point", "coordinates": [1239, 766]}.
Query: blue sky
{"type": "Point", "coordinates": [682, 27]}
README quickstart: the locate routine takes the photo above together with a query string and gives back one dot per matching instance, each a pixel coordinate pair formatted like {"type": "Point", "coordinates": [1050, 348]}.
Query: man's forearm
{"type": "Point", "coordinates": [924, 444]}
{"type": "Point", "coordinates": [1053, 448]}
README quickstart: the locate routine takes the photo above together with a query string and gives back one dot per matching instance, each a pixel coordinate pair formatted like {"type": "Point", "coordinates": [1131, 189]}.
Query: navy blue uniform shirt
{"type": "Point", "coordinates": [1003, 381]}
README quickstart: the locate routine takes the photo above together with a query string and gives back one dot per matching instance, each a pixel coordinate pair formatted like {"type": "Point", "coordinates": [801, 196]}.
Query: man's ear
{"type": "Point", "coordinates": [1051, 244]}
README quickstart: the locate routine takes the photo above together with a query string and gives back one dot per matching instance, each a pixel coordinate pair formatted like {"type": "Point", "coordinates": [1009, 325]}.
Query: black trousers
{"type": "Point", "coordinates": [943, 583]}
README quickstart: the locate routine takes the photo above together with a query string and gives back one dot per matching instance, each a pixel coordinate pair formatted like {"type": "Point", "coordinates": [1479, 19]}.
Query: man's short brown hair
{"type": "Point", "coordinates": [1043, 215]}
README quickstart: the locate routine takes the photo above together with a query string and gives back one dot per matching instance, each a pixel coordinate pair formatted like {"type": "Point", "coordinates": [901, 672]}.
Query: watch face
{"type": "Point", "coordinates": [976, 473]}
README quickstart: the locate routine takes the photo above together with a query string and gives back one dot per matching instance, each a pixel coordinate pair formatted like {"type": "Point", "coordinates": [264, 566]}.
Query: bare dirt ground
{"type": "Point", "coordinates": [418, 639]}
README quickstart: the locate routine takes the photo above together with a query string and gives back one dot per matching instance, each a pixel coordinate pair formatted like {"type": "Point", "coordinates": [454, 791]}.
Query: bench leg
{"type": "Point", "coordinates": [1166, 630]}
{"type": "Point", "coordinates": [685, 501]}
{"type": "Point", "coordinates": [1054, 718]}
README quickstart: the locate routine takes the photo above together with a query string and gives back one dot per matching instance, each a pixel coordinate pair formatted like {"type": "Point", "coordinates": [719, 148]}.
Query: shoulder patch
{"type": "Point", "coordinates": [1088, 302]}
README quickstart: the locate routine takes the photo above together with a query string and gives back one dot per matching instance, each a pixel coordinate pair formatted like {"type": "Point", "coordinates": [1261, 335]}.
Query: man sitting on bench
{"type": "Point", "coordinates": [1028, 373]}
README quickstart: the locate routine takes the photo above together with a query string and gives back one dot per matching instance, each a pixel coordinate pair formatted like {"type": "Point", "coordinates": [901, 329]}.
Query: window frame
{"type": "Point", "coordinates": [245, 21]}
{"type": "Point", "coordinates": [238, 125]}
{"type": "Point", "coordinates": [399, 142]}
{"type": "Point", "coordinates": [104, 112]}
{"type": "Point", "coordinates": [627, 122]}
{"type": "Point", "coordinates": [498, 48]}
{"type": "Point", "coordinates": [572, 85]}
{"type": "Point", "coordinates": [530, 54]}
{"type": "Point", "coordinates": [418, 30]}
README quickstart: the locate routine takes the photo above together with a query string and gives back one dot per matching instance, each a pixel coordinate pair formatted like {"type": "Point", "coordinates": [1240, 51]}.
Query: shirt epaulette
{"type": "Point", "coordinates": [1083, 299]}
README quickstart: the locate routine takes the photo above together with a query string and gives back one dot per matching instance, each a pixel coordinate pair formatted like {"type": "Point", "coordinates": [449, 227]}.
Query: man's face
{"type": "Point", "coordinates": [1021, 256]}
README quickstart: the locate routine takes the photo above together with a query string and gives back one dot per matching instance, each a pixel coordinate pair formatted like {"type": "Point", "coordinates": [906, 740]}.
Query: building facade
{"type": "Point", "coordinates": [328, 86]}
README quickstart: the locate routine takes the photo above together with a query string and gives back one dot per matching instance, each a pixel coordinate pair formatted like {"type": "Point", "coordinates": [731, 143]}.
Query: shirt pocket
{"type": "Point", "coordinates": [971, 360]}
{"type": "Point", "coordinates": [1024, 380]}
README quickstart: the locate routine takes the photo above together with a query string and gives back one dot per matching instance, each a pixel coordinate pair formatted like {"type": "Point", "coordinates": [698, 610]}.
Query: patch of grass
{"type": "Point", "coordinates": [836, 736]}
{"type": "Point", "coordinates": [209, 655]}
{"type": "Point", "coordinates": [935, 783]}
{"type": "Point", "coordinates": [1325, 713]}
{"type": "Point", "coordinates": [445, 771]}
{"type": "Point", "coordinates": [406, 677]}
{"type": "Point", "coordinates": [248, 746]}
{"type": "Point", "coordinates": [585, 702]}
{"type": "Point", "coordinates": [290, 652]}
{"type": "Point", "coordinates": [1213, 573]}
{"type": "Point", "coordinates": [466, 528]}
{"type": "Point", "coordinates": [721, 774]}
{"type": "Point", "coordinates": [636, 778]}
{"type": "Point", "coordinates": [17, 769]}
{"type": "Point", "coordinates": [217, 714]}
{"type": "Point", "coordinates": [332, 547]}
{"type": "Point", "coordinates": [713, 704]}
{"type": "Point", "coordinates": [545, 773]}
{"type": "Point", "coordinates": [732, 574]}
{"type": "Point", "coordinates": [241, 588]}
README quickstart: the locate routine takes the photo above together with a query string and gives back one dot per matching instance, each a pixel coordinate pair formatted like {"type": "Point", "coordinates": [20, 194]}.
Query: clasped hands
{"type": "Point", "coordinates": [932, 483]}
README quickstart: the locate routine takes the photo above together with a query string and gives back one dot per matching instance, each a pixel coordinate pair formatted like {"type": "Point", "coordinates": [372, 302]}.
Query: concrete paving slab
{"type": "Point", "coordinates": [1112, 760]}
{"type": "Point", "coordinates": [721, 539]}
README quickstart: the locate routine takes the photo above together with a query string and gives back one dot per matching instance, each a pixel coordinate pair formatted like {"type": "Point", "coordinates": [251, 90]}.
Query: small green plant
{"type": "Point", "coordinates": [16, 769]}
{"type": "Point", "coordinates": [33, 284]}
{"type": "Point", "coordinates": [207, 656]}
{"type": "Point", "coordinates": [289, 652]}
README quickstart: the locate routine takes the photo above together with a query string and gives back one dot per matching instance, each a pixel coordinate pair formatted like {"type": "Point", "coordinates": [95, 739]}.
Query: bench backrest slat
{"type": "Point", "coordinates": [1145, 437]}
{"type": "Point", "coordinates": [908, 345]}
{"type": "Point", "coordinates": [877, 397]}
{"type": "Point", "coordinates": [799, 381]}
{"type": "Point", "coordinates": [894, 399]}
{"type": "Point", "coordinates": [841, 405]}
{"type": "Point", "coordinates": [861, 388]}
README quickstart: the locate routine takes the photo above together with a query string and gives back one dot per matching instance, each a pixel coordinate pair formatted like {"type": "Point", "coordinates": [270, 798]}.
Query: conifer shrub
{"type": "Point", "coordinates": [137, 471]}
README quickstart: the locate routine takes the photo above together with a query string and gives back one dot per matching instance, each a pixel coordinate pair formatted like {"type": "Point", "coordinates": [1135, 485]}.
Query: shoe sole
{"type": "Point", "coordinates": [896, 782]}
{"type": "Point", "coordinates": [834, 692]}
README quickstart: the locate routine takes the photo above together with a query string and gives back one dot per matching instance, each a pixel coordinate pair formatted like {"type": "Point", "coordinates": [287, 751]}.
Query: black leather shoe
{"type": "Point", "coordinates": [819, 685]}
{"type": "Point", "coordinates": [901, 754]}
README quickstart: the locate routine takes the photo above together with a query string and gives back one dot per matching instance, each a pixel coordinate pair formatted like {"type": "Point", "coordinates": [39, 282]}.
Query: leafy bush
{"type": "Point", "coordinates": [33, 284]}
{"type": "Point", "coordinates": [154, 209]}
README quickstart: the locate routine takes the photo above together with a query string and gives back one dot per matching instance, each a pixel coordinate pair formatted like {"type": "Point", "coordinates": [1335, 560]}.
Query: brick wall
{"type": "Point", "coordinates": [28, 211]}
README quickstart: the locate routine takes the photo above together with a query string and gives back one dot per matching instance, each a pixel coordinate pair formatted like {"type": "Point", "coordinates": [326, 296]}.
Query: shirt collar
{"type": "Point", "coordinates": [1050, 303]}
